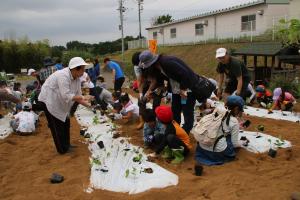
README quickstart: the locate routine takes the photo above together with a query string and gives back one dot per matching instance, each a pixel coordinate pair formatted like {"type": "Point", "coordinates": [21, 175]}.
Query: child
{"type": "Point", "coordinates": [101, 82]}
{"type": "Point", "coordinates": [264, 96]}
{"type": "Point", "coordinates": [175, 142]}
{"type": "Point", "coordinates": [130, 110]}
{"type": "Point", "coordinates": [116, 101]}
{"type": "Point", "coordinates": [282, 100]}
{"type": "Point", "coordinates": [152, 127]}
{"type": "Point", "coordinates": [227, 137]}
{"type": "Point", "coordinates": [24, 122]}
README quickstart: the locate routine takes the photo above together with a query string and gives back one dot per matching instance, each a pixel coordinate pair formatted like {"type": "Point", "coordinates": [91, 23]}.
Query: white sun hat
{"type": "Point", "coordinates": [77, 61]}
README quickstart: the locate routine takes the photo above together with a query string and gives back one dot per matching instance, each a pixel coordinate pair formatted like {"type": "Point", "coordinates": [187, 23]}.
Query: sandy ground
{"type": "Point", "coordinates": [27, 162]}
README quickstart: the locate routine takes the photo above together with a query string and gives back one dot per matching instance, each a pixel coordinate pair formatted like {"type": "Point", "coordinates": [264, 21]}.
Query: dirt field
{"type": "Point", "coordinates": [26, 163]}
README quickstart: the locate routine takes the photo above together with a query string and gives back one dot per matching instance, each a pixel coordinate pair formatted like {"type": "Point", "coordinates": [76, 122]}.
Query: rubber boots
{"type": "Point", "coordinates": [141, 123]}
{"type": "Point", "coordinates": [178, 155]}
{"type": "Point", "coordinates": [167, 153]}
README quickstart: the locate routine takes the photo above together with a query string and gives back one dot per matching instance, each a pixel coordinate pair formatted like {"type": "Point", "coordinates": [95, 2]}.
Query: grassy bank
{"type": "Point", "coordinates": [201, 58]}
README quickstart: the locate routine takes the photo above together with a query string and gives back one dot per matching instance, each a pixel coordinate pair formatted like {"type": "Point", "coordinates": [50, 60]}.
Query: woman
{"type": "Point", "coordinates": [228, 137]}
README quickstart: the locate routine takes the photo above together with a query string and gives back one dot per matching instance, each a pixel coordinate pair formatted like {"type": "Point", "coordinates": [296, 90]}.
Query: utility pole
{"type": "Point", "coordinates": [122, 9]}
{"type": "Point", "coordinates": [140, 2]}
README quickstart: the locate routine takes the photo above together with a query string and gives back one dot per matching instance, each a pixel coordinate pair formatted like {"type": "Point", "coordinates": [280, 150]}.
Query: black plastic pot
{"type": "Point", "coordinates": [198, 170]}
{"type": "Point", "coordinates": [82, 132]}
{"type": "Point", "coordinates": [100, 144]}
{"type": "Point", "coordinates": [272, 153]}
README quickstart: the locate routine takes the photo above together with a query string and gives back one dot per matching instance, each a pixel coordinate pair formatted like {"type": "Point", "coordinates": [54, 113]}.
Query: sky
{"type": "Point", "coordinates": [91, 21]}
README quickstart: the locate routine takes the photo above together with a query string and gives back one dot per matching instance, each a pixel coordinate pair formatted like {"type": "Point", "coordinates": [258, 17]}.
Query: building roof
{"type": "Point", "coordinates": [224, 10]}
{"type": "Point", "coordinates": [259, 49]}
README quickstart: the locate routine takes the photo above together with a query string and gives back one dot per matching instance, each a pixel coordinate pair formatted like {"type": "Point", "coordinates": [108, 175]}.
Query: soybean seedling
{"type": "Point", "coordinates": [95, 120]}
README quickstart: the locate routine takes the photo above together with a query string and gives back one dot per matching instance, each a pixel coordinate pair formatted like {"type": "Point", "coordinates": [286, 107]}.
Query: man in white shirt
{"type": "Point", "coordinates": [58, 94]}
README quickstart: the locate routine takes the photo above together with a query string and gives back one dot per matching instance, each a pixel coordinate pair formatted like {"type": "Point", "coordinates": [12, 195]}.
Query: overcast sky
{"type": "Point", "coordinates": [91, 21]}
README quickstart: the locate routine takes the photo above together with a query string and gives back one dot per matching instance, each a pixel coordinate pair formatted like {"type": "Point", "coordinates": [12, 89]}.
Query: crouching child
{"type": "Point", "coordinates": [25, 121]}
{"type": "Point", "coordinates": [175, 142]}
{"type": "Point", "coordinates": [152, 127]}
{"type": "Point", "coordinates": [217, 134]}
{"type": "Point", "coordinates": [130, 110]}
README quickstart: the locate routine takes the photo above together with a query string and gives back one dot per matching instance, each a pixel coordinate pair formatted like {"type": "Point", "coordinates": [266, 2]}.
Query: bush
{"type": "Point", "coordinates": [291, 86]}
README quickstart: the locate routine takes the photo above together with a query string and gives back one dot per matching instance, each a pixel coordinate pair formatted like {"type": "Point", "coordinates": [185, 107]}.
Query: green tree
{"type": "Point", "coordinates": [288, 32]}
{"type": "Point", "coordinates": [162, 19]}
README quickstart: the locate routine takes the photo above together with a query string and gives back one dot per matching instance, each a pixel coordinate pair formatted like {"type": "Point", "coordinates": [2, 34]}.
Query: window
{"type": "Point", "coordinates": [155, 35]}
{"type": "Point", "coordinates": [199, 29]}
{"type": "Point", "coordinates": [249, 23]}
{"type": "Point", "coordinates": [173, 32]}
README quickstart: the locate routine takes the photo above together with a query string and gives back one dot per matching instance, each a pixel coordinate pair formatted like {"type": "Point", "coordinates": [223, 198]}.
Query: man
{"type": "Point", "coordinates": [48, 69]}
{"type": "Point", "coordinates": [186, 85]}
{"type": "Point", "coordinates": [118, 75]}
{"type": "Point", "coordinates": [236, 73]}
{"type": "Point", "coordinates": [58, 94]}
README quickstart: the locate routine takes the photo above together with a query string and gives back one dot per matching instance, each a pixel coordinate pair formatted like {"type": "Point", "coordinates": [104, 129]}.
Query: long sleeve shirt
{"type": "Point", "coordinates": [57, 93]}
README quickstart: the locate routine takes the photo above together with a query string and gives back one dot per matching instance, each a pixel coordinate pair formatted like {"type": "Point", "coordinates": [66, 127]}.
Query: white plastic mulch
{"type": "Point", "coordinates": [112, 167]}
{"type": "Point", "coordinates": [282, 115]}
{"type": "Point", "coordinates": [261, 143]}
{"type": "Point", "coordinates": [5, 128]}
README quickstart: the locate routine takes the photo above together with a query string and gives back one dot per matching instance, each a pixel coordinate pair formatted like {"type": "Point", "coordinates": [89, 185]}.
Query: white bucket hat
{"type": "Point", "coordinates": [77, 61]}
{"type": "Point", "coordinates": [221, 52]}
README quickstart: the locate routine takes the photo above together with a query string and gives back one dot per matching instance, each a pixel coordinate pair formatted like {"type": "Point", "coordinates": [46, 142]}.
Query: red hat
{"type": "Point", "coordinates": [164, 114]}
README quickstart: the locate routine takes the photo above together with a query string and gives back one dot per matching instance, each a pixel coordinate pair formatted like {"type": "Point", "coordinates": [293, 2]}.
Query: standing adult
{"type": "Point", "coordinates": [58, 94]}
{"type": "Point", "coordinates": [143, 86]}
{"type": "Point", "coordinates": [236, 73]}
{"type": "Point", "coordinates": [48, 69]}
{"type": "Point", "coordinates": [58, 64]}
{"type": "Point", "coordinates": [118, 75]}
{"type": "Point", "coordinates": [186, 85]}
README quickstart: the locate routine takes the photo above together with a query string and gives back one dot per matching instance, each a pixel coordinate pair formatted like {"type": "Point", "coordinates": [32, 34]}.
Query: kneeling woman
{"type": "Point", "coordinates": [223, 150]}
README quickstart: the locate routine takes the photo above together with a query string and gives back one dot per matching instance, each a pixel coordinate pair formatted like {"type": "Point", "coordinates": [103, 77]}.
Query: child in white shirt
{"type": "Point", "coordinates": [24, 122]}
{"type": "Point", "coordinates": [130, 110]}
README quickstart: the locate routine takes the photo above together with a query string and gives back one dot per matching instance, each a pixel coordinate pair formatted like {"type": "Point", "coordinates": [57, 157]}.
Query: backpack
{"type": "Point", "coordinates": [206, 130]}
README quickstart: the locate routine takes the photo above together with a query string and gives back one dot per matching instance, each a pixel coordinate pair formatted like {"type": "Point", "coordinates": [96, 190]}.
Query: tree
{"type": "Point", "coordinates": [162, 19]}
{"type": "Point", "coordinates": [289, 32]}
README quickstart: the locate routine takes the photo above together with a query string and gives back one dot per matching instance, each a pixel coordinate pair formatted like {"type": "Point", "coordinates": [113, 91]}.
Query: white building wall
{"type": "Point", "coordinates": [294, 9]}
{"type": "Point", "coordinates": [228, 25]}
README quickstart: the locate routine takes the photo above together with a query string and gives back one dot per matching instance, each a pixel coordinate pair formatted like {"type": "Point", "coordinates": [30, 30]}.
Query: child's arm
{"type": "Point", "coordinates": [128, 116]}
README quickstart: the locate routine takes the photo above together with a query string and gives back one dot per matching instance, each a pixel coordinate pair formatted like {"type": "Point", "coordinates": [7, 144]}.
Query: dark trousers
{"type": "Point", "coordinates": [187, 109]}
{"type": "Point", "coordinates": [232, 86]}
{"type": "Point", "coordinates": [170, 140]}
{"type": "Point", "coordinates": [118, 84]}
{"type": "Point", "coordinates": [60, 130]}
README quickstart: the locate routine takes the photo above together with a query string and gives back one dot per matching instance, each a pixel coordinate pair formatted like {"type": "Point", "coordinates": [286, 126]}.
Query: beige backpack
{"type": "Point", "coordinates": [206, 131]}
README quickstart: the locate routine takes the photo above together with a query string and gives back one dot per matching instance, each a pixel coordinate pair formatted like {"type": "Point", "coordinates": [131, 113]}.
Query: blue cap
{"type": "Point", "coordinates": [234, 100]}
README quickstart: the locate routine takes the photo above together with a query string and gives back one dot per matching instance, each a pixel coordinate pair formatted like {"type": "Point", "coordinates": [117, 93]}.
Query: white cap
{"type": "Point", "coordinates": [221, 52]}
{"type": "Point", "coordinates": [76, 62]}
{"type": "Point", "coordinates": [30, 71]}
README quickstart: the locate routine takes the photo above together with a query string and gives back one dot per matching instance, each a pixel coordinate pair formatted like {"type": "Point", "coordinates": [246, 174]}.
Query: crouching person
{"type": "Point", "coordinates": [130, 110]}
{"type": "Point", "coordinates": [222, 126]}
{"type": "Point", "coordinates": [175, 142]}
{"type": "Point", "coordinates": [24, 122]}
{"type": "Point", "coordinates": [152, 127]}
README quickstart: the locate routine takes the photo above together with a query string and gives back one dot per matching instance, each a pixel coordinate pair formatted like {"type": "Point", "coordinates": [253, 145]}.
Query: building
{"type": "Point", "coordinates": [249, 19]}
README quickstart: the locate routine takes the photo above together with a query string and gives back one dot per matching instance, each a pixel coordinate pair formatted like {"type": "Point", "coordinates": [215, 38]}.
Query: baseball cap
{"type": "Point", "coordinates": [30, 71]}
{"type": "Point", "coordinates": [147, 59]}
{"type": "Point", "coordinates": [164, 114]}
{"type": "Point", "coordinates": [234, 100]}
{"type": "Point", "coordinates": [221, 52]}
{"type": "Point", "coordinates": [277, 92]}
{"type": "Point", "coordinates": [76, 62]}
{"type": "Point", "coordinates": [26, 105]}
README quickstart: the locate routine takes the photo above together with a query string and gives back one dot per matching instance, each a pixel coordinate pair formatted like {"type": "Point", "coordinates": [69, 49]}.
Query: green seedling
{"type": "Point", "coordinates": [108, 154]}
{"type": "Point", "coordinates": [95, 120]}
{"type": "Point", "coordinates": [138, 158]}
{"type": "Point", "coordinates": [127, 173]}
{"type": "Point", "coordinates": [96, 161]}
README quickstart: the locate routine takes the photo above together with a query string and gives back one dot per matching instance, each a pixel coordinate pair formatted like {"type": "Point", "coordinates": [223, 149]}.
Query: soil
{"type": "Point", "coordinates": [27, 163]}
